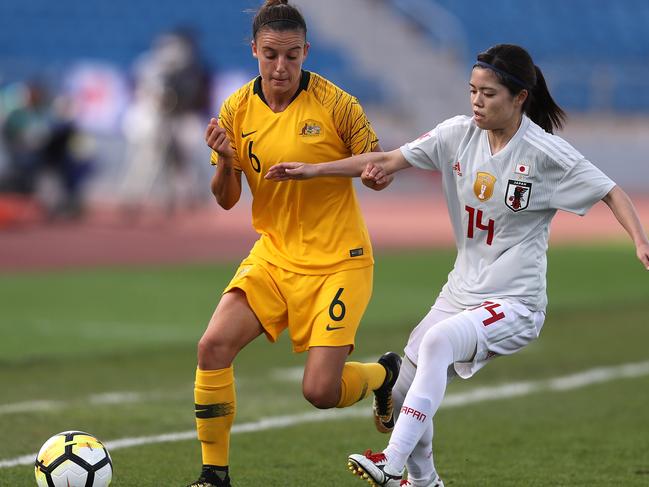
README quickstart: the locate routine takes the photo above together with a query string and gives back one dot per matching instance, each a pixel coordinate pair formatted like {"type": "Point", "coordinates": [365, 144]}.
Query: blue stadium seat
{"type": "Point", "coordinates": [59, 33]}
{"type": "Point", "coordinates": [566, 38]}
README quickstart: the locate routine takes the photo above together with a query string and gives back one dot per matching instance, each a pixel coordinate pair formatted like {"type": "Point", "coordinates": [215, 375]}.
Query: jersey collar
{"type": "Point", "coordinates": [520, 132]}
{"type": "Point", "coordinates": [304, 84]}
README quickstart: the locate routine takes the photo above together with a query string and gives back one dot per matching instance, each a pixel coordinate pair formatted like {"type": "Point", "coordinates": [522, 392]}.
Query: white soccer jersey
{"type": "Point", "coordinates": [501, 205]}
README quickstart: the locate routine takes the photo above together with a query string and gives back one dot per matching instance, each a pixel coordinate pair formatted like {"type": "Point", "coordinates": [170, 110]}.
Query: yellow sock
{"type": "Point", "coordinates": [358, 380]}
{"type": "Point", "coordinates": [216, 405]}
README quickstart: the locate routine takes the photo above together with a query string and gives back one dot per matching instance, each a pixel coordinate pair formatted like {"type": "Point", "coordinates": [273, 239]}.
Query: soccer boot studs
{"type": "Point", "coordinates": [371, 467]}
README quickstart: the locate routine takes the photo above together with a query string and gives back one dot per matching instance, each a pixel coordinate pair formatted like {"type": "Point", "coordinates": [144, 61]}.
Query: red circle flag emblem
{"type": "Point", "coordinates": [523, 169]}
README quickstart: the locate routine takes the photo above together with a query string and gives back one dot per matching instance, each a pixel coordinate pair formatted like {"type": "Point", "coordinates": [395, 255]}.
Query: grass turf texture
{"type": "Point", "coordinates": [72, 335]}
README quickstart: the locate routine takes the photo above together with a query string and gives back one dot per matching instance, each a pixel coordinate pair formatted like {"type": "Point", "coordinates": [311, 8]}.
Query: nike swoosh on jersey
{"type": "Point", "coordinates": [244, 135]}
{"type": "Point", "coordinates": [332, 328]}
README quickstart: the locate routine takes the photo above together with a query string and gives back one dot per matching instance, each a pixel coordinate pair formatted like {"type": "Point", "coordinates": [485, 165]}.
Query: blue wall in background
{"type": "Point", "coordinates": [45, 36]}
{"type": "Point", "coordinates": [595, 53]}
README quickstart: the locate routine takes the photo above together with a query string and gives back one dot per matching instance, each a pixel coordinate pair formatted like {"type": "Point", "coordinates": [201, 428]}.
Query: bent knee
{"type": "Point", "coordinates": [436, 338]}
{"type": "Point", "coordinates": [457, 334]}
{"type": "Point", "coordinates": [213, 353]}
{"type": "Point", "coordinates": [322, 398]}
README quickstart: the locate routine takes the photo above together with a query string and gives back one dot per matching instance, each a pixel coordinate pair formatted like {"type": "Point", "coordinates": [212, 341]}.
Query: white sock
{"type": "Point", "coordinates": [413, 421]}
{"type": "Point", "coordinates": [404, 381]}
{"type": "Point", "coordinates": [453, 339]}
{"type": "Point", "coordinates": [420, 464]}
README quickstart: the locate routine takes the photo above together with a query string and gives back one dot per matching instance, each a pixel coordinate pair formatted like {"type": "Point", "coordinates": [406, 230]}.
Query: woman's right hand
{"type": "Point", "coordinates": [374, 177]}
{"type": "Point", "coordinates": [217, 139]}
{"type": "Point", "coordinates": [291, 170]}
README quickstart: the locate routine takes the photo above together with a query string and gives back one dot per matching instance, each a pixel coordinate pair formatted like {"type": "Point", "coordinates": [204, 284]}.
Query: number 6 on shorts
{"type": "Point", "coordinates": [337, 303]}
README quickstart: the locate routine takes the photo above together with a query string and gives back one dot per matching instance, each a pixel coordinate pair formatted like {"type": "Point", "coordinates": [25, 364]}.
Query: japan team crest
{"type": "Point", "coordinates": [517, 197]}
{"type": "Point", "coordinates": [484, 186]}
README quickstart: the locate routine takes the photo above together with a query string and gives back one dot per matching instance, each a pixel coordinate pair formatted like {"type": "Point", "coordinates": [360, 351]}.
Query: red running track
{"type": "Point", "coordinates": [209, 234]}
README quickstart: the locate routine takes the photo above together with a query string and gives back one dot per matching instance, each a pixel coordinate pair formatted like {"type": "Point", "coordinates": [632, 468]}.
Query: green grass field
{"type": "Point", "coordinates": [112, 352]}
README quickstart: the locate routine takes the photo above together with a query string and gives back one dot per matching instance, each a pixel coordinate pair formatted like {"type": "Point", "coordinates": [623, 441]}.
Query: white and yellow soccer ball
{"type": "Point", "coordinates": [73, 459]}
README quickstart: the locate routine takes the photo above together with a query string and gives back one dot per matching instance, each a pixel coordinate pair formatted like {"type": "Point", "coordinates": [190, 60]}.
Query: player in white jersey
{"type": "Point", "coordinates": [504, 177]}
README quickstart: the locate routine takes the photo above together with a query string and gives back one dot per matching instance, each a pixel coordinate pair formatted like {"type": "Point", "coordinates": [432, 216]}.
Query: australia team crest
{"type": "Point", "coordinates": [518, 194]}
{"type": "Point", "coordinates": [310, 128]}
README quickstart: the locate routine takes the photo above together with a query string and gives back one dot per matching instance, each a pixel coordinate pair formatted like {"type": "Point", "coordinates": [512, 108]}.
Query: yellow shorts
{"type": "Point", "coordinates": [318, 310]}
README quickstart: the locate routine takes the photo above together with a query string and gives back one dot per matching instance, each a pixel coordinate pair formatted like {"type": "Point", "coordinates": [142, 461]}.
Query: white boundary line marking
{"type": "Point", "coordinates": [281, 374]}
{"type": "Point", "coordinates": [93, 399]}
{"type": "Point", "coordinates": [516, 389]}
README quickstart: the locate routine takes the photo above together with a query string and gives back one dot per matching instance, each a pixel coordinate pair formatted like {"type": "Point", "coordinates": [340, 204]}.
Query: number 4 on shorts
{"type": "Point", "coordinates": [490, 306]}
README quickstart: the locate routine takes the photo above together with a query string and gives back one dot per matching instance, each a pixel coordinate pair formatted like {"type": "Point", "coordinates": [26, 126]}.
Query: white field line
{"type": "Point", "coordinates": [515, 389]}
{"type": "Point", "coordinates": [282, 374]}
{"type": "Point", "coordinates": [106, 398]}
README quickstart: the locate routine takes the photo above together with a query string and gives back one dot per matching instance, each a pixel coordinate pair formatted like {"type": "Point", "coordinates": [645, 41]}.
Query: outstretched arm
{"type": "Point", "coordinates": [389, 162]}
{"type": "Point", "coordinates": [622, 207]}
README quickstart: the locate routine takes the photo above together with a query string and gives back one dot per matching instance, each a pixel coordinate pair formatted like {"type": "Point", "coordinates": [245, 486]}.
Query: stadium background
{"type": "Point", "coordinates": [408, 62]}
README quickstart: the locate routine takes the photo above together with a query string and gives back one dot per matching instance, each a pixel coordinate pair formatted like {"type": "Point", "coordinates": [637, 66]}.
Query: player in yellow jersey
{"type": "Point", "coordinates": [311, 269]}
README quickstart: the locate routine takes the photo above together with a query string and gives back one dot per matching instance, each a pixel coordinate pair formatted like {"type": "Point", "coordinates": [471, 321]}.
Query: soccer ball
{"type": "Point", "coordinates": [73, 459]}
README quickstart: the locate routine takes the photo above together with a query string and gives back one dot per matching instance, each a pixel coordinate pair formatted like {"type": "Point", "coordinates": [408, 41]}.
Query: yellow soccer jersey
{"type": "Point", "coordinates": [308, 227]}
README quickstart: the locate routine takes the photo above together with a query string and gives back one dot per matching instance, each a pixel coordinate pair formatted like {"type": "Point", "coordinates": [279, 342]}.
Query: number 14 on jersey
{"type": "Point", "coordinates": [476, 222]}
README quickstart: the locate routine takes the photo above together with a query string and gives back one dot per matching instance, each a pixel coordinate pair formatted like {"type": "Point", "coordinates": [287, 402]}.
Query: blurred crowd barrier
{"type": "Point", "coordinates": [100, 134]}
{"type": "Point", "coordinates": [47, 157]}
{"type": "Point", "coordinates": [90, 117]}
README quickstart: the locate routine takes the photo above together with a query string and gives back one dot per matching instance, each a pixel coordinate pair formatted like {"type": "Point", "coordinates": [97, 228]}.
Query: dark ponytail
{"type": "Point", "coordinates": [542, 108]}
{"type": "Point", "coordinates": [278, 15]}
{"type": "Point", "coordinates": [516, 71]}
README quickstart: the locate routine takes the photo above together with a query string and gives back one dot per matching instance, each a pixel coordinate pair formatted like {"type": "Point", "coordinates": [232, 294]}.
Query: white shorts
{"type": "Point", "coordinates": [503, 327]}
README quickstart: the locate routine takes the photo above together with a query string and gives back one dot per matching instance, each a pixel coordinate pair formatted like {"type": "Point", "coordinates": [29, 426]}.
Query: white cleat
{"type": "Point", "coordinates": [371, 467]}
